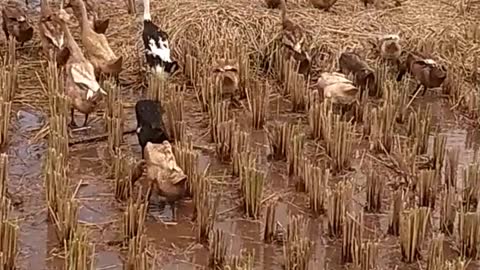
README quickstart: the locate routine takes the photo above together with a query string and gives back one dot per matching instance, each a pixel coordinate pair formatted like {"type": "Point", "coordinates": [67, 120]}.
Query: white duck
{"type": "Point", "coordinates": [337, 87]}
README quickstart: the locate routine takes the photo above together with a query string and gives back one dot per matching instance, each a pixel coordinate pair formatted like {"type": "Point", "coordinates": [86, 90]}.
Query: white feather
{"type": "Point", "coordinates": [329, 78]}
{"type": "Point", "coordinates": [84, 74]}
{"type": "Point", "coordinates": [430, 61]}
{"type": "Point", "coordinates": [163, 52]}
{"type": "Point", "coordinates": [391, 37]}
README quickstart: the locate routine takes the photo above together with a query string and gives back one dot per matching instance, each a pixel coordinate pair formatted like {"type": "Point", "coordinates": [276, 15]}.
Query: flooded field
{"type": "Point", "coordinates": [172, 241]}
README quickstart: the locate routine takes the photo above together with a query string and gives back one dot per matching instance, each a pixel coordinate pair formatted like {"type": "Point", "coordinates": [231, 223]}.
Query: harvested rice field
{"type": "Point", "coordinates": [294, 141]}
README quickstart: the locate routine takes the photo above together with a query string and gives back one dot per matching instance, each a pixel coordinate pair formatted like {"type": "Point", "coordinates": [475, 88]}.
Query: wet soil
{"type": "Point", "coordinates": [174, 243]}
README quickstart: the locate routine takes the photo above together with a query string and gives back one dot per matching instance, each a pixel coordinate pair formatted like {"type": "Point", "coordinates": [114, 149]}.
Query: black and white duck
{"type": "Point", "coordinates": [157, 50]}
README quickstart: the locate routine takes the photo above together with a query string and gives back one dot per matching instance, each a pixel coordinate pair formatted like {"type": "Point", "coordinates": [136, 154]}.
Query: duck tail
{"type": "Point", "coordinates": [114, 66]}
{"type": "Point", "coordinates": [100, 26]}
{"type": "Point", "coordinates": [62, 56]}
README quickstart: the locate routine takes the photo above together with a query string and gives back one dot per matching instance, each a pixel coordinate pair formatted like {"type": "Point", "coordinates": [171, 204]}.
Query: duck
{"type": "Point", "coordinates": [427, 72]}
{"type": "Point", "coordinates": [96, 46]}
{"type": "Point", "coordinates": [352, 63]}
{"type": "Point", "coordinates": [337, 87]}
{"type": "Point", "coordinates": [150, 125]}
{"type": "Point", "coordinates": [82, 89]}
{"type": "Point", "coordinates": [157, 50]}
{"type": "Point", "coordinates": [163, 173]}
{"type": "Point", "coordinates": [368, 2]}
{"type": "Point", "coordinates": [226, 74]}
{"type": "Point", "coordinates": [390, 48]}
{"type": "Point", "coordinates": [52, 35]}
{"type": "Point", "coordinates": [99, 26]}
{"type": "Point", "coordinates": [273, 3]}
{"type": "Point", "coordinates": [323, 4]}
{"type": "Point", "coordinates": [15, 22]}
{"type": "Point", "coordinates": [293, 36]}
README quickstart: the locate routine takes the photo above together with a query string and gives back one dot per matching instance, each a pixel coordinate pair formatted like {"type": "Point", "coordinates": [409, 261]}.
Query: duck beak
{"type": "Point", "coordinates": [102, 91]}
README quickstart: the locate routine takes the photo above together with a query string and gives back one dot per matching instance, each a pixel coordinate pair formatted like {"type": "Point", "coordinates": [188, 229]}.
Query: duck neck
{"type": "Point", "coordinates": [44, 6]}
{"type": "Point", "coordinates": [82, 11]}
{"type": "Point", "coordinates": [71, 44]}
{"type": "Point", "coordinates": [146, 10]}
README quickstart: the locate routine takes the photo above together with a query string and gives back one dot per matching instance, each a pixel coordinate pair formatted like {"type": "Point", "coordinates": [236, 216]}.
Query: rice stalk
{"type": "Point", "coordinates": [252, 189]}
{"type": "Point", "coordinates": [131, 7]}
{"type": "Point", "coordinates": [448, 211]}
{"type": "Point", "coordinates": [296, 86]}
{"type": "Point", "coordinates": [242, 262]}
{"type": "Point", "coordinates": [471, 184]}
{"type": "Point", "coordinates": [397, 209]}
{"type": "Point", "coordinates": [413, 226]}
{"type": "Point", "coordinates": [297, 247]}
{"type": "Point", "coordinates": [339, 143]}
{"type": "Point", "coordinates": [191, 69]}
{"type": "Point", "coordinates": [419, 126]}
{"type": "Point", "coordinates": [436, 256]}
{"type": "Point", "coordinates": [9, 73]}
{"type": "Point", "coordinates": [205, 209]}
{"type": "Point", "coordinates": [187, 159]}
{"type": "Point", "coordinates": [469, 234]}
{"type": "Point", "coordinates": [122, 175]}
{"type": "Point", "coordinates": [339, 201]}
{"type": "Point", "coordinates": [458, 264]}
{"type": "Point", "coordinates": [439, 144]}
{"type": "Point", "coordinates": [157, 89]}
{"type": "Point", "coordinates": [210, 94]}
{"type": "Point", "coordinates": [451, 167]}
{"type": "Point", "coordinates": [240, 145]}
{"type": "Point", "coordinates": [382, 127]}
{"type": "Point", "coordinates": [114, 118]}
{"type": "Point", "coordinates": [138, 254]}
{"type": "Point", "coordinates": [295, 153]}
{"type": "Point", "coordinates": [219, 113]}
{"type": "Point", "coordinates": [8, 233]}
{"type": "Point", "coordinates": [5, 110]}
{"type": "Point", "coordinates": [426, 188]}
{"type": "Point", "coordinates": [258, 97]}
{"type": "Point", "coordinates": [375, 186]}
{"type": "Point", "coordinates": [279, 137]}
{"type": "Point", "coordinates": [269, 231]}
{"type": "Point", "coordinates": [134, 219]}
{"type": "Point", "coordinates": [174, 108]}
{"type": "Point", "coordinates": [366, 256]}
{"type": "Point", "coordinates": [352, 238]}
{"type": "Point", "coordinates": [218, 245]}
{"type": "Point", "coordinates": [223, 145]}
{"type": "Point", "coordinates": [316, 183]}
{"type": "Point", "coordinates": [79, 252]}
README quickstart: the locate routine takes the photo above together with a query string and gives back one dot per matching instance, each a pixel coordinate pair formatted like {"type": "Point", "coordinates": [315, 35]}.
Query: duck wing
{"type": "Point", "coordinates": [83, 74]}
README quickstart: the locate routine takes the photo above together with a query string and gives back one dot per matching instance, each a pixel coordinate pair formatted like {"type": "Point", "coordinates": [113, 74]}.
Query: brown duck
{"type": "Point", "coordinates": [226, 75]}
{"type": "Point", "coordinates": [323, 4]}
{"type": "Point", "coordinates": [352, 63]}
{"type": "Point", "coordinates": [52, 35]}
{"type": "Point", "coordinates": [81, 87]}
{"type": "Point", "coordinates": [293, 35]}
{"type": "Point", "coordinates": [166, 178]}
{"type": "Point", "coordinates": [100, 26]}
{"type": "Point", "coordinates": [273, 3]}
{"type": "Point", "coordinates": [427, 72]}
{"type": "Point", "coordinates": [97, 49]}
{"type": "Point", "coordinates": [15, 22]}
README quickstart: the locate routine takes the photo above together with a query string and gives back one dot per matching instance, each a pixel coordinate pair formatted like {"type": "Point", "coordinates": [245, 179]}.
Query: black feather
{"type": "Point", "coordinates": [150, 123]}
{"type": "Point", "coordinates": [152, 32]}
